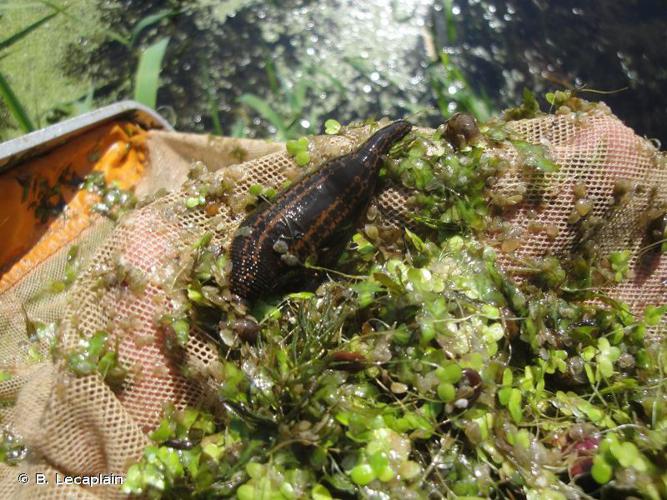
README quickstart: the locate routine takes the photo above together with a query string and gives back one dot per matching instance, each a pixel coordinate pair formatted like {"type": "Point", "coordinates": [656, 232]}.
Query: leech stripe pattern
{"type": "Point", "coordinates": [319, 205]}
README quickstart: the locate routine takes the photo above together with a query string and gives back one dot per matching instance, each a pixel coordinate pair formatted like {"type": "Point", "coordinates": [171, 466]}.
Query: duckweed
{"type": "Point", "coordinates": [95, 356]}
{"type": "Point", "coordinates": [420, 368]}
{"type": "Point", "coordinates": [298, 149]}
{"type": "Point", "coordinates": [114, 201]}
{"type": "Point", "coordinates": [332, 127]}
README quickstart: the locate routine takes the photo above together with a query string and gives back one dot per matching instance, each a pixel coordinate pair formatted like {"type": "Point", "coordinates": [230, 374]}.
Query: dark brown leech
{"type": "Point", "coordinates": [308, 218]}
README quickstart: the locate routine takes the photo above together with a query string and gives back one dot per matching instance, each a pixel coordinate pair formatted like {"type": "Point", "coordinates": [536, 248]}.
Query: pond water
{"type": "Point", "coordinates": [280, 68]}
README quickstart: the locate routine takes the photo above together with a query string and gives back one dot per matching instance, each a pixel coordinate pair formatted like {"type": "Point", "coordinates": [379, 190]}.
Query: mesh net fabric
{"type": "Point", "coordinates": [78, 425]}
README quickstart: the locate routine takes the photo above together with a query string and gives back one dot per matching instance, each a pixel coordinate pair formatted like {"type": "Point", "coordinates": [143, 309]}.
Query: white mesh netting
{"type": "Point", "coordinates": [79, 425]}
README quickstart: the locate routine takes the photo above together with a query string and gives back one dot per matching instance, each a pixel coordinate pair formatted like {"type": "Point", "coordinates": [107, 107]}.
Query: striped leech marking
{"type": "Point", "coordinates": [310, 217]}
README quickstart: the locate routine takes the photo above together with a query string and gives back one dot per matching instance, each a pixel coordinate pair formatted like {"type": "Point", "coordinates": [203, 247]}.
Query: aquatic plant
{"type": "Point", "coordinates": [146, 78]}
{"type": "Point", "coordinates": [419, 368]}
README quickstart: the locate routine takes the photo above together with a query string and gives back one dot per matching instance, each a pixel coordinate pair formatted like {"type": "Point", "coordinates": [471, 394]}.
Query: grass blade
{"type": "Point", "coordinates": [213, 111]}
{"type": "Point", "coordinates": [147, 80]}
{"type": "Point", "coordinates": [265, 112]}
{"type": "Point", "coordinates": [450, 22]}
{"type": "Point", "coordinates": [14, 106]}
{"type": "Point", "coordinates": [149, 21]}
{"type": "Point", "coordinates": [9, 41]}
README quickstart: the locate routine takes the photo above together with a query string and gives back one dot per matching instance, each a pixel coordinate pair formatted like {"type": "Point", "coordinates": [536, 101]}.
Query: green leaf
{"type": "Point", "coordinates": [181, 328]}
{"type": "Point", "coordinates": [620, 264]}
{"type": "Point", "coordinates": [601, 471]}
{"type": "Point", "coordinates": [300, 296]}
{"type": "Point", "coordinates": [446, 392]}
{"type": "Point", "coordinates": [15, 107]}
{"type": "Point", "coordinates": [653, 314]}
{"type": "Point", "coordinates": [319, 492]}
{"type": "Point", "coordinates": [331, 127]}
{"type": "Point", "coordinates": [416, 241]}
{"type": "Point", "coordinates": [450, 373]}
{"type": "Point", "coordinates": [12, 39]}
{"type": "Point", "coordinates": [514, 405]}
{"type": "Point", "coordinates": [366, 291]}
{"type": "Point", "coordinates": [149, 21]}
{"type": "Point", "coordinates": [266, 112]}
{"type": "Point", "coordinates": [164, 431]}
{"type": "Point", "coordinates": [362, 474]}
{"type": "Point", "coordinates": [246, 492]}
{"type": "Point", "coordinates": [294, 146]}
{"type": "Point", "coordinates": [508, 377]}
{"type": "Point", "coordinates": [171, 462]}
{"type": "Point", "coordinates": [530, 104]}
{"type": "Point", "coordinates": [535, 155]}
{"type": "Point", "coordinates": [97, 344]}
{"type": "Point", "coordinates": [147, 78]}
{"type": "Point", "coordinates": [302, 158]}
{"type": "Point", "coordinates": [213, 111]}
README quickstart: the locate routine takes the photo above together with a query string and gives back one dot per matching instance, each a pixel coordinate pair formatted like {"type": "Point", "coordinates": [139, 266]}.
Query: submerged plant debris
{"type": "Point", "coordinates": [418, 369]}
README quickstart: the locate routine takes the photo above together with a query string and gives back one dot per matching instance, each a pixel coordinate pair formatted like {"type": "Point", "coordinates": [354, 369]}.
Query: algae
{"type": "Point", "coordinates": [38, 67]}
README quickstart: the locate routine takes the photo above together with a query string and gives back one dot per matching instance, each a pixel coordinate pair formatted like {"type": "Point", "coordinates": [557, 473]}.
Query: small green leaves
{"type": "Point", "coordinates": [620, 264]}
{"type": "Point", "coordinates": [558, 98]}
{"type": "Point", "coordinates": [12, 449]}
{"type": "Point", "coordinates": [319, 492]}
{"type": "Point", "coordinates": [529, 108]}
{"type": "Point", "coordinates": [262, 191]}
{"type": "Point", "coordinates": [302, 158]}
{"type": "Point", "coordinates": [601, 471]}
{"type": "Point", "coordinates": [511, 397]}
{"type": "Point", "coordinates": [296, 145]}
{"type": "Point", "coordinates": [366, 291]}
{"type": "Point", "coordinates": [514, 405]}
{"type": "Point", "coordinates": [298, 149]}
{"type": "Point", "coordinates": [420, 345]}
{"type": "Point", "coordinates": [446, 392]}
{"type": "Point", "coordinates": [606, 358]}
{"type": "Point", "coordinates": [415, 240]}
{"type": "Point", "coordinates": [94, 356]}
{"type": "Point", "coordinates": [362, 474]}
{"type": "Point", "coordinates": [450, 373]}
{"type": "Point", "coordinates": [195, 201]}
{"type": "Point", "coordinates": [181, 329]}
{"type": "Point", "coordinates": [654, 314]}
{"type": "Point", "coordinates": [331, 127]}
{"type": "Point", "coordinates": [614, 453]}
{"type": "Point", "coordinates": [535, 156]}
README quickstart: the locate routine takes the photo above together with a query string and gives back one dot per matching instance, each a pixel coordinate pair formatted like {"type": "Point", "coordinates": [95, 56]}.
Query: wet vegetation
{"type": "Point", "coordinates": [418, 368]}
{"type": "Point", "coordinates": [256, 68]}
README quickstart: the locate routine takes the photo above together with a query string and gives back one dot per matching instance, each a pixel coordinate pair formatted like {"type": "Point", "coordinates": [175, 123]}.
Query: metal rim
{"type": "Point", "coordinates": [42, 140]}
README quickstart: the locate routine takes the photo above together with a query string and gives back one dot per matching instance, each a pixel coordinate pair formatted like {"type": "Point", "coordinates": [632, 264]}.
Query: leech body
{"type": "Point", "coordinates": [308, 217]}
